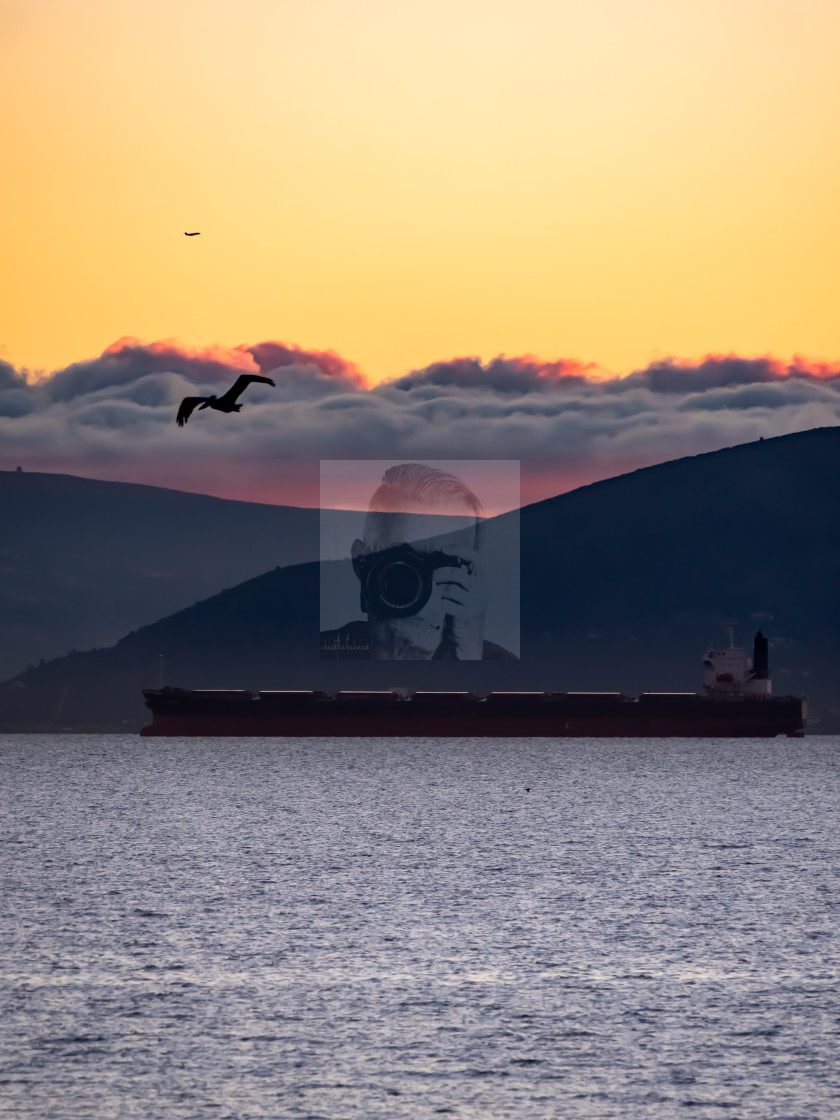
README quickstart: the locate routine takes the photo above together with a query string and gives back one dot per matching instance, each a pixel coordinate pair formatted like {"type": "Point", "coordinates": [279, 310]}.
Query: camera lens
{"type": "Point", "coordinates": [400, 585]}
{"type": "Point", "coordinates": [396, 582]}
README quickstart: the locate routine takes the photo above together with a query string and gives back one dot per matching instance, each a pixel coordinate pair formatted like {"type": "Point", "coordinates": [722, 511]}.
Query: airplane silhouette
{"type": "Point", "coordinates": [225, 403]}
{"type": "Point", "coordinates": [196, 234]}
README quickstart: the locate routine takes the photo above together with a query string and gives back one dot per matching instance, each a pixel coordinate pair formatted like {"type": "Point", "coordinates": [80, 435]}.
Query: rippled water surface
{"type": "Point", "coordinates": [473, 928]}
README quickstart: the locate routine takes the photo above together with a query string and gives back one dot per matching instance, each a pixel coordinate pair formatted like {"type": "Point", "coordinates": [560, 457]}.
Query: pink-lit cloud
{"type": "Point", "coordinates": [567, 421]}
{"type": "Point", "coordinates": [273, 356]}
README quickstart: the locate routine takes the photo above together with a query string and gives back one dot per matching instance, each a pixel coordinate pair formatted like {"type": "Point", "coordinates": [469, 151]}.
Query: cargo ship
{"type": "Point", "coordinates": [736, 700]}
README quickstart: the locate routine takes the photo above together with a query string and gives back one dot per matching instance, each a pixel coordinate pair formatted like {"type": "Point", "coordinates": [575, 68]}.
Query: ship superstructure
{"type": "Point", "coordinates": [730, 670]}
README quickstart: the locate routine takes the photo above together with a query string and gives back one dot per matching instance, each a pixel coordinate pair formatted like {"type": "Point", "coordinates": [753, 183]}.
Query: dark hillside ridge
{"type": "Point", "coordinates": [624, 584]}
{"type": "Point", "coordinates": [83, 561]}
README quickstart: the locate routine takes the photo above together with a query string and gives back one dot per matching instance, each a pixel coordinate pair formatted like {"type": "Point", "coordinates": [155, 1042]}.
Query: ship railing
{"type": "Point", "coordinates": [516, 695]}
{"type": "Point", "coordinates": [370, 694]}
{"type": "Point", "coordinates": [588, 697]}
{"type": "Point", "coordinates": [220, 693]}
{"type": "Point", "coordinates": [717, 693]}
{"type": "Point", "coordinates": [426, 697]}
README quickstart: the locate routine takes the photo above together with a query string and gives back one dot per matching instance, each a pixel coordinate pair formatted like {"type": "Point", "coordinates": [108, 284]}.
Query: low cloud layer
{"type": "Point", "coordinates": [568, 422]}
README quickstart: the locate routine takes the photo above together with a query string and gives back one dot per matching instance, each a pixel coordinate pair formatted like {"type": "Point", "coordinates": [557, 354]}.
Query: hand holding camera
{"type": "Point", "coordinates": [464, 600]}
{"type": "Point", "coordinates": [415, 590]}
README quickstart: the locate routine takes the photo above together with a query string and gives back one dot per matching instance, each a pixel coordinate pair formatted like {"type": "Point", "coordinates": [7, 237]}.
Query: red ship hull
{"type": "Point", "coordinates": [178, 712]}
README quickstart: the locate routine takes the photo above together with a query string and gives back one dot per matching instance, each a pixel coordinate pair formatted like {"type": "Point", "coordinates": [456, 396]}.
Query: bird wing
{"type": "Point", "coordinates": [186, 409]}
{"type": "Point", "coordinates": [241, 384]}
{"type": "Point", "coordinates": [196, 234]}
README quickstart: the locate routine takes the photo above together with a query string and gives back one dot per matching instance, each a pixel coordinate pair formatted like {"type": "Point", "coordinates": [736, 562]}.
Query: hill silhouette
{"type": "Point", "coordinates": [84, 561]}
{"type": "Point", "coordinates": [624, 584]}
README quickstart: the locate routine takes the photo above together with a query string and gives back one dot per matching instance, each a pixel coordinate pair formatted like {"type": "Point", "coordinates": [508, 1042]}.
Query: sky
{"type": "Point", "coordinates": [603, 187]}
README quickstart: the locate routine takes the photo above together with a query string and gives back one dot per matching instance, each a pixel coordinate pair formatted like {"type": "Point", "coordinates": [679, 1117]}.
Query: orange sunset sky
{"type": "Point", "coordinates": [404, 182]}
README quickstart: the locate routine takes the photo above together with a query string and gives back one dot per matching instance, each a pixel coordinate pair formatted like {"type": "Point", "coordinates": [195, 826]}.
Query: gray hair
{"type": "Point", "coordinates": [424, 485]}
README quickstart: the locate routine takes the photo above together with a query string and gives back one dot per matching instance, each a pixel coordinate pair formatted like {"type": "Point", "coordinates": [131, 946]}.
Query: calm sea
{"type": "Point", "coordinates": [414, 928]}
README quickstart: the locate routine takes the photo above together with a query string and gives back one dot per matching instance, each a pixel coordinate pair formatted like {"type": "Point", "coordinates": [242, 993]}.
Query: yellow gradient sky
{"type": "Point", "coordinates": [610, 180]}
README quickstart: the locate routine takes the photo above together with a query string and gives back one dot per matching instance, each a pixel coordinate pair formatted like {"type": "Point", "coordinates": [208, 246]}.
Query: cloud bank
{"type": "Point", "coordinates": [568, 422]}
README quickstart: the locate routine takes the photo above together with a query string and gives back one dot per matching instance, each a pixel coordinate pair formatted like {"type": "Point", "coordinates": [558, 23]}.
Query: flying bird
{"type": "Point", "coordinates": [225, 403]}
{"type": "Point", "coordinates": [196, 234]}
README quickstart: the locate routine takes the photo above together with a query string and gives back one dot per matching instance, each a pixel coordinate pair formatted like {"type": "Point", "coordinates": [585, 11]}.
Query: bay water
{"type": "Point", "coordinates": [326, 928]}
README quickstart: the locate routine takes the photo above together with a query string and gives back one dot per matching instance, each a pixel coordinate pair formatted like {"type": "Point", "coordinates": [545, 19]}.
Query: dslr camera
{"type": "Point", "coordinates": [397, 581]}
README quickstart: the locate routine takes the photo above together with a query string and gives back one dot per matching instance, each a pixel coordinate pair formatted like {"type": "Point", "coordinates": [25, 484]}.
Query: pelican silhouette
{"type": "Point", "coordinates": [225, 403]}
{"type": "Point", "coordinates": [196, 234]}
